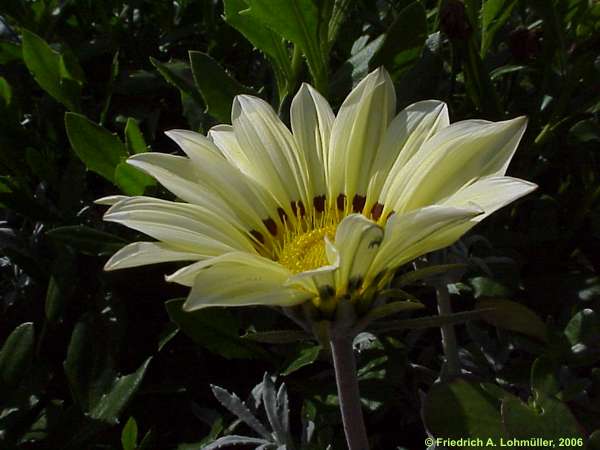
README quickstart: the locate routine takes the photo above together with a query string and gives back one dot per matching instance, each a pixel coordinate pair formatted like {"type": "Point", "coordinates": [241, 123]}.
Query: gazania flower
{"type": "Point", "coordinates": [326, 210]}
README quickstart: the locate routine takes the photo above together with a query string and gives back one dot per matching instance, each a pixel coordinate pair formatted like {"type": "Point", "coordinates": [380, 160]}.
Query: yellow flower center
{"type": "Point", "coordinates": [306, 249]}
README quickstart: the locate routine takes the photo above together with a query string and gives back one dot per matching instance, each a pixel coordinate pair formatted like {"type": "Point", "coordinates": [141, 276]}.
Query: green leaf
{"type": "Point", "coordinates": [114, 73]}
{"type": "Point", "coordinates": [462, 409]}
{"type": "Point", "coordinates": [132, 181]}
{"type": "Point", "coordinates": [584, 131]}
{"type": "Point", "coordinates": [178, 74]}
{"type": "Point", "coordinates": [478, 84]}
{"type": "Point", "coordinates": [488, 287]}
{"type": "Point", "coordinates": [584, 328]}
{"type": "Point", "coordinates": [167, 335]}
{"type": "Point", "coordinates": [307, 355]}
{"type": "Point", "coordinates": [338, 15]}
{"type": "Point", "coordinates": [430, 321]}
{"type": "Point", "coordinates": [88, 367]}
{"type": "Point", "coordinates": [356, 67]}
{"type": "Point", "coordinates": [134, 139]}
{"type": "Point", "coordinates": [263, 38]}
{"type": "Point", "coordinates": [217, 87]}
{"type": "Point", "coordinates": [549, 419]}
{"type": "Point", "coordinates": [239, 409]}
{"type": "Point", "coordinates": [112, 403]}
{"type": "Point", "coordinates": [226, 441]}
{"type": "Point", "coordinates": [54, 300]}
{"type": "Point", "coordinates": [86, 240]}
{"type": "Point", "coordinates": [129, 435]}
{"type": "Point", "coordinates": [50, 70]}
{"type": "Point", "coordinates": [9, 52]}
{"type": "Point", "coordinates": [403, 41]}
{"type": "Point", "coordinates": [494, 14]}
{"type": "Point", "coordinates": [215, 329]}
{"type": "Point", "coordinates": [16, 355]}
{"type": "Point", "coordinates": [277, 336]}
{"type": "Point", "coordinates": [276, 406]}
{"type": "Point", "coordinates": [298, 21]}
{"type": "Point", "coordinates": [593, 442]}
{"type": "Point", "coordinates": [5, 91]}
{"type": "Point", "coordinates": [389, 309]}
{"type": "Point", "coordinates": [505, 70]}
{"type": "Point", "coordinates": [543, 377]}
{"type": "Point", "coordinates": [100, 150]}
{"type": "Point", "coordinates": [514, 317]}
{"type": "Point", "coordinates": [427, 272]}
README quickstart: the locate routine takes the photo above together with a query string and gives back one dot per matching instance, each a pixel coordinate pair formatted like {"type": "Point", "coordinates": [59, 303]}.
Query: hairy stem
{"type": "Point", "coordinates": [348, 394]}
{"type": "Point", "coordinates": [448, 334]}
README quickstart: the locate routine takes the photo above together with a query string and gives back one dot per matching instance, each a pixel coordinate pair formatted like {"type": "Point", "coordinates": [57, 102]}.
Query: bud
{"type": "Point", "coordinates": [524, 44]}
{"type": "Point", "coordinates": [454, 21]}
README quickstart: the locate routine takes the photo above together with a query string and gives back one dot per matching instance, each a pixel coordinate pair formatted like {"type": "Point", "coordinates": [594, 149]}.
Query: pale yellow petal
{"type": "Point", "coordinates": [184, 226]}
{"type": "Point", "coordinates": [144, 253]}
{"type": "Point", "coordinates": [491, 194]}
{"type": "Point", "coordinates": [357, 241]}
{"type": "Point", "coordinates": [269, 150]}
{"type": "Point", "coordinates": [357, 132]}
{"type": "Point", "coordinates": [456, 156]}
{"type": "Point", "coordinates": [110, 200]}
{"type": "Point", "coordinates": [224, 138]}
{"type": "Point", "coordinates": [179, 175]}
{"type": "Point", "coordinates": [311, 118]}
{"type": "Point", "coordinates": [242, 280]}
{"type": "Point", "coordinates": [317, 281]}
{"type": "Point", "coordinates": [402, 140]}
{"type": "Point", "coordinates": [246, 198]}
{"type": "Point", "coordinates": [410, 235]}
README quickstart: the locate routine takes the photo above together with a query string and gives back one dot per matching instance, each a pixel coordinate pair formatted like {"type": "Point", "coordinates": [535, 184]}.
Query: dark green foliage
{"type": "Point", "coordinates": [92, 360]}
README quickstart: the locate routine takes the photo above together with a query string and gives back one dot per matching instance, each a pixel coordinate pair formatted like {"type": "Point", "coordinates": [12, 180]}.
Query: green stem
{"type": "Point", "coordinates": [448, 334]}
{"type": "Point", "coordinates": [348, 393]}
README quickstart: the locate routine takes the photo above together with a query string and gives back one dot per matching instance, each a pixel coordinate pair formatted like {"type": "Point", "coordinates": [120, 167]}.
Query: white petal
{"type": "Point", "coordinates": [242, 280]}
{"type": "Point", "coordinates": [184, 226]}
{"type": "Point", "coordinates": [311, 118]}
{"type": "Point", "coordinates": [456, 156]}
{"type": "Point", "coordinates": [269, 150]}
{"type": "Point", "coordinates": [145, 253]}
{"type": "Point", "coordinates": [179, 176]}
{"type": "Point", "coordinates": [110, 200]}
{"type": "Point", "coordinates": [491, 194]}
{"type": "Point", "coordinates": [402, 140]}
{"type": "Point", "coordinates": [224, 138]}
{"type": "Point", "coordinates": [357, 131]}
{"type": "Point", "coordinates": [418, 232]}
{"type": "Point", "coordinates": [247, 199]}
{"type": "Point", "coordinates": [357, 240]}
{"type": "Point", "coordinates": [316, 281]}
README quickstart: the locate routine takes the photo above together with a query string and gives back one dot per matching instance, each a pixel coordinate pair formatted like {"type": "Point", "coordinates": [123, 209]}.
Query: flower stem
{"type": "Point", "coordinates": [448, 334]}
{"type": "Point", "coordinates": [348, 394]}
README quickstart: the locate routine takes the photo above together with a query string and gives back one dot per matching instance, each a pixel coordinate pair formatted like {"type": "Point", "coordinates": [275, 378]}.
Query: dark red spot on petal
{"type": "Point", "coordinates": [358, 203]}
{"type": "Point", "coordinates": [258, 236]}
{"type": "Point", "coordinates": [319, 203]}
{"type": "Point", "coordinates": [301, 208]}
{"type": "Point", "coordinates": [271, 226]}
{"type": "Point", "coordinates": [282, 214]}
{"type": "Point", "coordinates": [341, 202]}
{"type": "Point", "coordinates": [376, 211]}
{"type": "Point", "coordinates": [294, 208]}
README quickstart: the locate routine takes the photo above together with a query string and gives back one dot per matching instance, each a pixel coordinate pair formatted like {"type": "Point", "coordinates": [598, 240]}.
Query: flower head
{"type": "Point", "coordinates": [326, 210]}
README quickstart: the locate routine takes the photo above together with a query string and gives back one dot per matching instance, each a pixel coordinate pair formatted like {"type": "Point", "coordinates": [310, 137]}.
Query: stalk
{"type": "Point", "coordinates": [448, 334]}
{"type": "Point", "coordinates": [348, 393]}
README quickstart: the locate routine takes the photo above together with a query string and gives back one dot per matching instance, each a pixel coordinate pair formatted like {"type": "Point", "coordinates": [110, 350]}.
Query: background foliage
{"type": "Point", "coordinates": [93, 359]}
